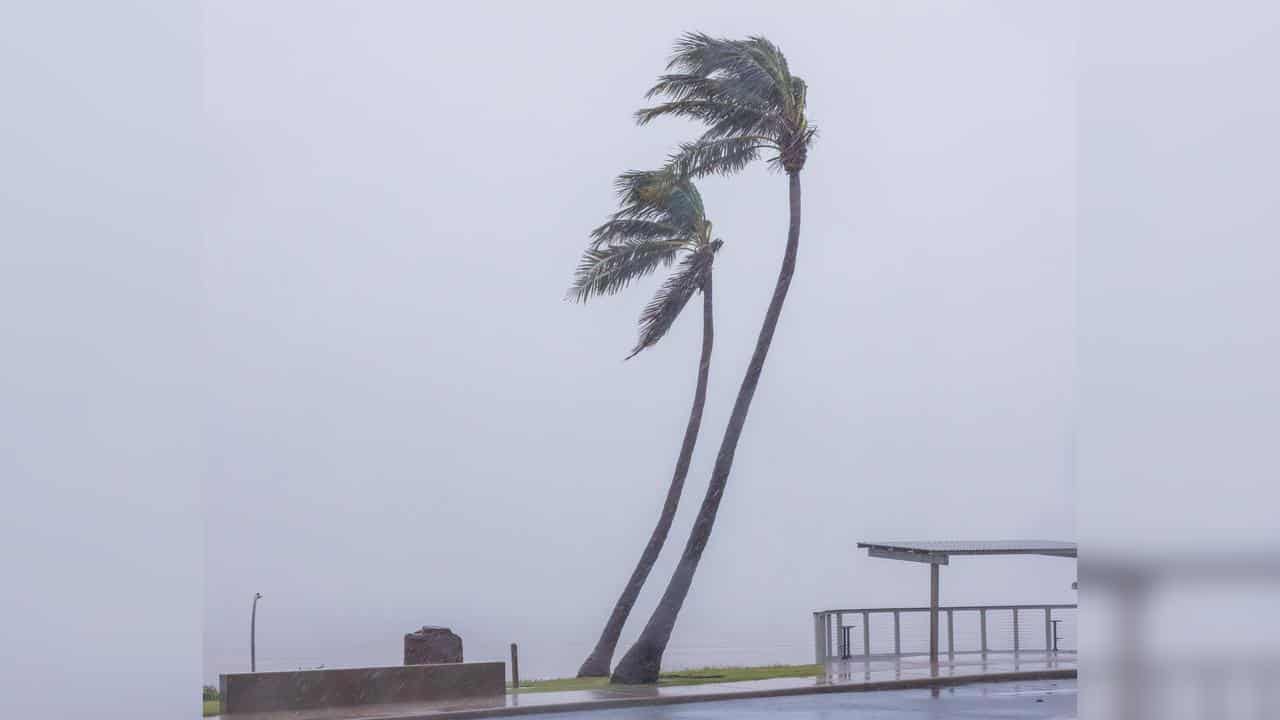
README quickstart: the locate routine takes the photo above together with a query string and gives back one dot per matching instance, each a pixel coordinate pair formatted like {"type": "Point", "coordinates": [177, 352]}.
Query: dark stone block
{"type": "Point", "coordinates": [432, 645]}
{"type": "Point", "coordinates": [310, 689]}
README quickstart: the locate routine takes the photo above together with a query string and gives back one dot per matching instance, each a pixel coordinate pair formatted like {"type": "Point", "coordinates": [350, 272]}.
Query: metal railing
{"type": "Point", "coordinates": [866, 632]}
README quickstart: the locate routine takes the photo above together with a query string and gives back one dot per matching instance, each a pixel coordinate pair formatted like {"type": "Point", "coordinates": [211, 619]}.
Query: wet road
{"type": "Point", "coordinates": [1038, 700]}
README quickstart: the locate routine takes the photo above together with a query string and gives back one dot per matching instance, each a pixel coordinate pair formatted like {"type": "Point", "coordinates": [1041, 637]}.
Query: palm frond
{"type": "Point", "coordinates": [706, 111]}
{"type": "Point", "coordinates": [663, 197]}
{"type": "Point", "coordinates": [683, 86]}
{"type": "Point", "coordinates": [610, 269]}
{"type": "Point", "coordinates": [738, 92]}
{"type": "Point", "coordinates": [644, 190]}
{"type": "Point", "coordinates": [769, 57]}
{"type": "Point", "coordinates": [623, 228]}
{"type": "Point", "coordinates": [722, 156]}
{"type": "Point", "coordinates": [739, 67]}
{"type": "Point", "coordinates": [661, 312]}
{"type": "Point", "coordinates": [745, 122]}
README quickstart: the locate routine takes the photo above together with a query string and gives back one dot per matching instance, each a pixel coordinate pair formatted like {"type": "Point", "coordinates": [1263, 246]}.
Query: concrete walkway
{"type": "Point", "coordinates": [1020, 700]}
{"type": "Point", "coordinates": [840, 676]}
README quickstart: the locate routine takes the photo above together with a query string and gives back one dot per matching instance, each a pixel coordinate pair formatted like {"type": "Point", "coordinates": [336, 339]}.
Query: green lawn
{"type": "Point", "coordinates": [699, 676]}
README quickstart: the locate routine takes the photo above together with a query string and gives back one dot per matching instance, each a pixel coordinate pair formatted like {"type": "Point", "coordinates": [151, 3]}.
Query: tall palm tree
{"type": "Point", "coordinates": [661, 221]}
{"type": "Point", "coordinates": [753, 107]}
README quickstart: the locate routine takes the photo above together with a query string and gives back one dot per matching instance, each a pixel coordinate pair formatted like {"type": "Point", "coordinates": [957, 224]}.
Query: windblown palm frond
{"type": "Point", "coordinates": [661, 312]}
{"type": "Point", "coordinates": [745, 94]}
{"type": "Point", "coordinates": [623, 228]}
{"type": "Point", "coordinates": [662, 197]}
{"type": "Point", "coordinates": [723, 156]}
{"type": "Point", "coordinates": [610, 269]}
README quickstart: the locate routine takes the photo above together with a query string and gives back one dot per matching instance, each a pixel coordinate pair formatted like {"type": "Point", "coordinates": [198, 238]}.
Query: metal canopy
{"type": "Point", "coordinates": [938, 553]}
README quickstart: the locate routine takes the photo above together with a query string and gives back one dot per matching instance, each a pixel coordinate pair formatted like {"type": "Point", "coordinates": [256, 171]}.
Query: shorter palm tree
{"type": "Point", "coordinates": [661, 223]}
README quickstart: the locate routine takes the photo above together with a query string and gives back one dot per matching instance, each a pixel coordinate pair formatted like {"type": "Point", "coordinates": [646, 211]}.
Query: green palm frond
{"type": "Point", "coordinates": [629, 228]}
{"type": "Point", "coordinates": [745, 94]}
{"type": "Point", "coordinates": [722, 156]}
{"type": "Point", "coordinates": [741, 67]}
{"type": "Point", "coordinates": [663, 197]}
{"type": "Point", "coordinates": [745, 122]}
{"type": "Point", "coordinates": [610, 269]}
{"type": "Point", "coordinates": [770, 58]}
{"type": "Point", "coordinates": [661, 312]}
{"type": "Point", "coordinates": [703, 110]}
{"type": "Point", "coordinates": [684, 86]}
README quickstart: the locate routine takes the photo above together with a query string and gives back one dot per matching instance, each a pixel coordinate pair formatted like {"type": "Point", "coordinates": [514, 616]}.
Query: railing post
{"type": "Point", "coordinates": [866, 634]}
{"type": "Point", "coordinates": [982, 623]}
{"type": "Point", "coordinates": [819, 648]}
{"type": "Point", "coordinates": [1048, 629]}
{"type": "Point", "coordinates": [951, 633]}
{"type": "Point", "coordinates": [897, 633]}
{"type": "Point", "coordinates": [1015, 630]}
{"type": "Point", "coordinates": [826, 629]}
{"type": "Point", "coordinates": [933, 613]}
{"type": "Point", "coordinates": [842, 644]}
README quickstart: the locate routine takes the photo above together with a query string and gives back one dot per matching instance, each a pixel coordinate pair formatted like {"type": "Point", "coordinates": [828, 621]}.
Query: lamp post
{"type": "Point", "coordinates": [253, 633]}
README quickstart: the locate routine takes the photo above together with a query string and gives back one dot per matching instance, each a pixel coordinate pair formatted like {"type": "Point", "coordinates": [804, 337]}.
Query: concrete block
{"type": "Point", "coordinates": [345, 687]}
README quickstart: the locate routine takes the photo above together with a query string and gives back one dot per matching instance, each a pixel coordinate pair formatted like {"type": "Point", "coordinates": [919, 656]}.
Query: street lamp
{"type": "Point", "coordinates": [253, 632]}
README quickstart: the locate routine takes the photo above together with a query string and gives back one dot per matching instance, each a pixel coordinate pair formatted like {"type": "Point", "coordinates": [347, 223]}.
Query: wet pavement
{"type": "Point", "coordinates": [876, 675]}
{"type": "Point", "coordinates": [1034, 700]}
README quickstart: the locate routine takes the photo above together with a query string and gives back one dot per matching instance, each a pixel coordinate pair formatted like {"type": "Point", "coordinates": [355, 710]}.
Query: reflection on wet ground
{"type": "Point", "coordinates": [1032, 700]}
{"type": "Point", "coordinates": [839, 674]}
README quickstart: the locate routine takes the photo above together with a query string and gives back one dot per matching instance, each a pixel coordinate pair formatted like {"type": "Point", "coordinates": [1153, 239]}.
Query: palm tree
{"type": "Point", "coordinates": [661, 220]}
{"type": "Point", "coordinates": [752, 104]}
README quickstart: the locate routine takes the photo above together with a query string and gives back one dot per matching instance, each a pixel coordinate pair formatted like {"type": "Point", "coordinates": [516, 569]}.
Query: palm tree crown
{"type": "Point", "coordinates": [661, 221]}
{"type": "Point", "coordinates": [744, 92]}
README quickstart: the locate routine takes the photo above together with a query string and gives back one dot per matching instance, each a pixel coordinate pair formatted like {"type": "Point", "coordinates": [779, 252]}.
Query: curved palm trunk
{"type": "Point", "coordinates": [642, 662]}
{"type": "Point", "coordinates": [598, 662]}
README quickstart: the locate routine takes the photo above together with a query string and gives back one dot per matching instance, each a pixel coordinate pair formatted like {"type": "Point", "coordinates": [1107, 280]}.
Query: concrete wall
{"type": "Point", "coordinates": [305, 689]}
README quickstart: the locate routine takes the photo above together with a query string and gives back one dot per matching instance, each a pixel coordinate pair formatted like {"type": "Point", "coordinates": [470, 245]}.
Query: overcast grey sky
{"type": "Point", "coordinates": [408, 425]}
{"type": "Point", "coordinates": [281, 286]}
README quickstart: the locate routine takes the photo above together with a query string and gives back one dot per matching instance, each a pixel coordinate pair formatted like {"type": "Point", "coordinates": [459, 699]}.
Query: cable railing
{"type": "Point", "coordinates": [904, 631]}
